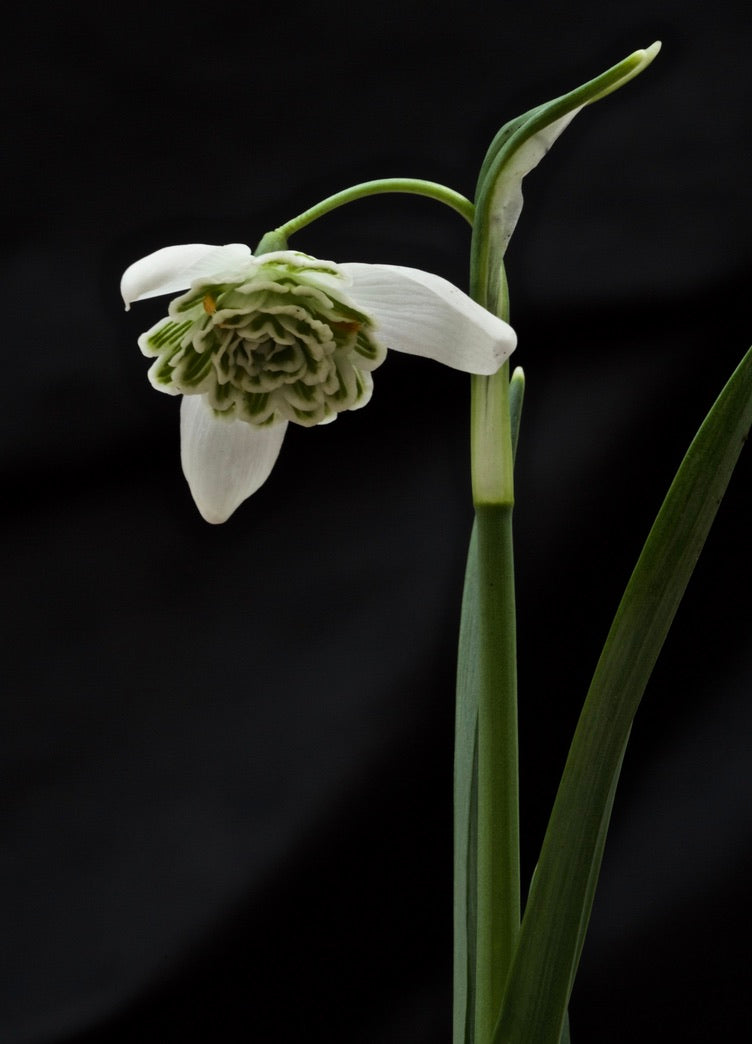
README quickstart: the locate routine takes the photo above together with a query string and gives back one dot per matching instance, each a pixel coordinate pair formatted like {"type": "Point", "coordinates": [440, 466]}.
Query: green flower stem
{"type": "Point", "coordinates": [491, 440]}
{"type": "Point", "coordinates": [498, 859]}
{"type": "Point", "coordinates": [498, 873]}
{"type": "Point", "coordinates": [411, 186]}
{"type": "Point", "coordinates": [498, 895]}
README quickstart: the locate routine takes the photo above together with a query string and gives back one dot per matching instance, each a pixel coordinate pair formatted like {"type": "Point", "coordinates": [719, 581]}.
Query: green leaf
{"type": "Point", "coordinates": [516, 398]}
{"type": "Point", "coordinates": [466, 804]}
{"type": "Point", "coordinates": [565, 1038]}
{"type": "Point", "coordinates": [561, 893]}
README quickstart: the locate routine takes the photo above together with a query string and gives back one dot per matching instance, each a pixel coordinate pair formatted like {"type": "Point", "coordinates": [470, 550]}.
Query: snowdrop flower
{"type": "Point", "coordinates": [258, 342]}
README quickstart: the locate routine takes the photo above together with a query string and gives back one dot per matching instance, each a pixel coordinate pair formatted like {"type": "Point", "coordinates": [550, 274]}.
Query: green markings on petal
{"type": "Point", "coordinates": [165, 336]}
{"type": "Point", "coordinates": [254, 407]}
{"type": "Point", "coordinates": [194, 367]}
{"type": "Point", "coordinates": [369, 351]}
{"type": "Point", "coordinates": [160, 375]}
{"type": "Point", "coordinates": [222, 397]}
{"type": "Point", "coordinates": [283, 342]}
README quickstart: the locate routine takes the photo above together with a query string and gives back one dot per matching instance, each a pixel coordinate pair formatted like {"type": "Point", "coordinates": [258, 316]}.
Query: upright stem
{"type": "Point", "coordinates": [498, 854]}
{"type": "Point", "coordinates": [498, 884]}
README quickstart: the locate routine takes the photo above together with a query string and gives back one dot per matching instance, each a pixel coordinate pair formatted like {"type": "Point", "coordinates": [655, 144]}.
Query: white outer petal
{"type": "Point", "coordinates": [422, 314]}
{"type": "Point", "coordinates": [224, 461]}
{"type": "Point", "coordinates": [175, 267]}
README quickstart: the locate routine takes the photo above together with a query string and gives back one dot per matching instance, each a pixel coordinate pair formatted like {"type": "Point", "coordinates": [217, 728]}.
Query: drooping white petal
{"type": "Point", "coordinates": [224, 461]}
{"type": "Point", "coordinates": [175, 267]}
{"type": "Point", "coordinates": [422, 314]}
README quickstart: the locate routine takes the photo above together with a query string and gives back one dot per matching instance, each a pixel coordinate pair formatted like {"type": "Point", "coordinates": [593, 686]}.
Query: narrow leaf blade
{"type": "Point", "coordinates": [561, 894]}
{"type": "Point", "coordinates": [465, 804]}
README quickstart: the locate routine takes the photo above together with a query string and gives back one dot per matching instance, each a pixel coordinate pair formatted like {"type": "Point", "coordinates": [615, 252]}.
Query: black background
{"type": "Point", "coordinates": [226, 751]}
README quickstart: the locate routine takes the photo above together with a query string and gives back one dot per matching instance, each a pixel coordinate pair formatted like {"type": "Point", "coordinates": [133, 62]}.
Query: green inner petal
{"type": "Point", "coordinates": [277, 346]}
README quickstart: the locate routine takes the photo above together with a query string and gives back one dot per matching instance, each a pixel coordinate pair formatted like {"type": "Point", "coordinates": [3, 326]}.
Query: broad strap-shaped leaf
{"type": "Point", "coordinates": [561, 894]}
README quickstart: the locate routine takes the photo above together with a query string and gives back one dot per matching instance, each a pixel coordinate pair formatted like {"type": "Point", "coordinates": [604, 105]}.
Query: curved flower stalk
{"type": "Point", "coordinates": [256, 343]}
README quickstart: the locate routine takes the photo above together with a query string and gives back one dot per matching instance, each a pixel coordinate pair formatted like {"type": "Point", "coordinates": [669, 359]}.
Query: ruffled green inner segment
{"type": "Point", "coordinates": [285, 344]}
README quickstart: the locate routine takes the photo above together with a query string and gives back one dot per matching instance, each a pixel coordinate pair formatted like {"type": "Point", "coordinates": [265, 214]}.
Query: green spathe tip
{"type": "Point", "coordinates": [632, 66]}
{"type": "Point", "coordinates": [516, 149]}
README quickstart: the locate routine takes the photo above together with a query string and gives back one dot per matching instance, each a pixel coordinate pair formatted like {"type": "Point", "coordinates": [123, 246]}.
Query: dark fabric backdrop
{"type": "Point", "coordinates": [227, 751]}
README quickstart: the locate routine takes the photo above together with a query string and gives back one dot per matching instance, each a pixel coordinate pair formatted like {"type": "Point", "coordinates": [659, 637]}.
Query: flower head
{"type": "Point", "coordinates": [275, 340]}
{"type": "Point", "coordinates": [257, 342]}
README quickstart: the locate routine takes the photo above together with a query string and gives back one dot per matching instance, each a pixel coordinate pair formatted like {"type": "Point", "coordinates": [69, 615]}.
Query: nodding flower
{"type": "Point", "coordinates": [256, 343]}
